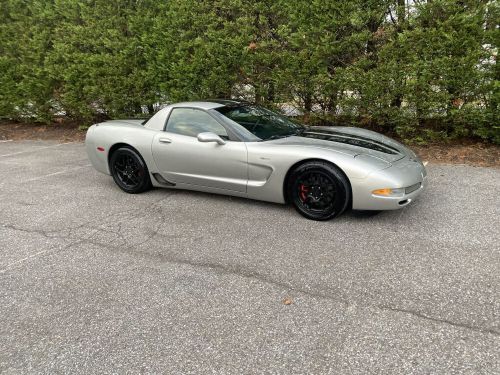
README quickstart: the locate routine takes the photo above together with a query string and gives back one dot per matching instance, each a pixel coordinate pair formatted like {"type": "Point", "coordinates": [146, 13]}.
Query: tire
{"type": "Point", "coordinates": [129, 171]}
{"type": "Point", "coordinates": [318, 190]}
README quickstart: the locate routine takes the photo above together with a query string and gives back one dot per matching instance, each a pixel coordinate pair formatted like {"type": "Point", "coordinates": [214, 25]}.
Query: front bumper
{"type": "Point", "coordinates": [402, 174]}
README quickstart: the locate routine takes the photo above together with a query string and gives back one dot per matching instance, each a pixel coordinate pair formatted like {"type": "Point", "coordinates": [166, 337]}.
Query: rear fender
{"type": "Point", "coordinates": [101, 138]}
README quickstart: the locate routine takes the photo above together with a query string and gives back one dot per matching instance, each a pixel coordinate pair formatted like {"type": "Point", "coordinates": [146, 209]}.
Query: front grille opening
{"type": "Point", "coordinates": [412, 188]}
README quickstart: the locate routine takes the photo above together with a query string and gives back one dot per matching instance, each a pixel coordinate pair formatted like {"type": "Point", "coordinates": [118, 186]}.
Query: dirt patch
{"type": "Point", "coordinates": [471, 153]}
{"type": "Point", "coordinates": [64, 132]}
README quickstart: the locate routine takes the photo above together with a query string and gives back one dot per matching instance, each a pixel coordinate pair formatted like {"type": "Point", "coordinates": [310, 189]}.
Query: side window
{"type": "Point", "coordinates": [191, 122]}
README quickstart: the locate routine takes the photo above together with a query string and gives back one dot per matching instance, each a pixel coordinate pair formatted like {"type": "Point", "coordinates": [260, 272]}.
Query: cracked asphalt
{"type": "Point", "coordinates": [93, 280]}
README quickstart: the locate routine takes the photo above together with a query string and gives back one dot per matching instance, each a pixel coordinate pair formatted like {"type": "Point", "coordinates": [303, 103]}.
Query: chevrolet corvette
{"type": "Point", "coordinates": [242, 149]}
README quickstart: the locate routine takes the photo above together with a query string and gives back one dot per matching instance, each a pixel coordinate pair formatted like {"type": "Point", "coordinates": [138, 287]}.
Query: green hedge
{"type": "Point", "coordinates": [420, 69]}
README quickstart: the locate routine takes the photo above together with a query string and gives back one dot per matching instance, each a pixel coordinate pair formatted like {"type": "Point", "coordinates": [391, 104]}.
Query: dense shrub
{"type": "Point", "coordinates": [420, 69]}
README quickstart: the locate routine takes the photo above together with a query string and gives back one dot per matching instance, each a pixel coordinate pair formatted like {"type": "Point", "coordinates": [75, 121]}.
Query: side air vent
{"type": "Point", "coordinates": [158, 177]}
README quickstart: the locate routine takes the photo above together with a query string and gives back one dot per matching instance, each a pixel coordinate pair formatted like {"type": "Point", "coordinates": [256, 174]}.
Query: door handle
{"type": "Point", "coordinates": [165, 140]}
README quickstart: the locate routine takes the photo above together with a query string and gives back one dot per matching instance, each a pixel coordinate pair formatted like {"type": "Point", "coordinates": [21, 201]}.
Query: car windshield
{"type": "Point", "coordinates": [261, 122]}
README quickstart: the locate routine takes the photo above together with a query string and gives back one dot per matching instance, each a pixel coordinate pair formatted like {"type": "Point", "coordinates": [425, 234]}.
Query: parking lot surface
{"type": "Point", "coordinates": [93, 280]}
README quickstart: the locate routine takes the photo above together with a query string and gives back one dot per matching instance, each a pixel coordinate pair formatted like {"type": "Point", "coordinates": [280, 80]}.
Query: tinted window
{"type": "Point", "coordinates": [189, 121]}
{"type": "Point", "coordinates": [261, 122]}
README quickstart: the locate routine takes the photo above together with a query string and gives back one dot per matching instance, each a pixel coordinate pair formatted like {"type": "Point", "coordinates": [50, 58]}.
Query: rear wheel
{"type": "Point", "coordinates": [129, 171]}
{"type": "Point", "coordinates": [318, 190]}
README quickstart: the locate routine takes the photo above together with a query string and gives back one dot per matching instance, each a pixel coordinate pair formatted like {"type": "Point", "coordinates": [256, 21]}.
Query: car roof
{"type": "Point", "coordinates": [157, 121]}
{"type": "Point", "coordinates": [209, 104]}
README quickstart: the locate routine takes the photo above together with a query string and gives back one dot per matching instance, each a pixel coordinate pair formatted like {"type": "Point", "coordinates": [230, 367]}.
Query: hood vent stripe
{"type": "Point", "coordinates": [352, 140]}
{"type": "Point", "coordinates": [363, 138]}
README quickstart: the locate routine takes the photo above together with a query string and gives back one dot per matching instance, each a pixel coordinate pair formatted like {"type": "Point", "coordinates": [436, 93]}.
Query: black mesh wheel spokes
{"type": "Point", "coordinates": [128, 170]}
{"type": "Point", "coordinates": [316, 191]}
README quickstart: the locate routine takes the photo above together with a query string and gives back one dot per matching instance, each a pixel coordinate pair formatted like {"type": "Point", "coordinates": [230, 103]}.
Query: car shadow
{"type": "Point", "coordinates": [363, 214]}
{"type": "Point", "coordinates": [356, 214]}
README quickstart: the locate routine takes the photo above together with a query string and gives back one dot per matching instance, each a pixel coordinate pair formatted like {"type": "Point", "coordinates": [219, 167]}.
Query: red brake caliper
{"type": "Point", "coordinates": [303, 192]}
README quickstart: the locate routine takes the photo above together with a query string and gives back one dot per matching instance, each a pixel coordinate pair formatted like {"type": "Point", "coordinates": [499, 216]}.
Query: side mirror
{"type": "Point", "coordinates": [210, 137]}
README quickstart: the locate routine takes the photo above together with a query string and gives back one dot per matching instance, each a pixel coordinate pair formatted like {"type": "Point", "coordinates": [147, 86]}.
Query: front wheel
{"type": "Point", "coordinates": [129, 171]}
{"type": "Point", "coordinates": [318, 190]}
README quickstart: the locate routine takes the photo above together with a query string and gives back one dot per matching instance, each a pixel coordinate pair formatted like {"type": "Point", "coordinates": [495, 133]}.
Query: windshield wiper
{"type": "Point", "coordinates": [278, 136]}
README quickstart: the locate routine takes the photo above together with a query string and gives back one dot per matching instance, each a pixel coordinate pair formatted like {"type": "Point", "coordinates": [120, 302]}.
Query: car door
{"type": "Point", "coordinates": [183, 159]}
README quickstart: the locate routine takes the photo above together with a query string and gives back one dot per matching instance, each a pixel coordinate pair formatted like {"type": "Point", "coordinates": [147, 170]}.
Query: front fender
{"type": "Point", "coordinates": [268, 166]}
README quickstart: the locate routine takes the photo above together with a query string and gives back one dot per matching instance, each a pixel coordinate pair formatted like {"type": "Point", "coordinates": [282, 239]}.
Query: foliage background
{"type": "Point", "coordinates": [422, 69]}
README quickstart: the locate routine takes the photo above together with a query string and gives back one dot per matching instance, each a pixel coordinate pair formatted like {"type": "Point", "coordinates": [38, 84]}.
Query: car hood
{"type": "Point", "coordinates": [353, 141]}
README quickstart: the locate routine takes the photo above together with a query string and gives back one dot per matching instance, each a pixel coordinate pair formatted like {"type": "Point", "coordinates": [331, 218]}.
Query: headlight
{"type": "Point", "coordinates": [389, 192]}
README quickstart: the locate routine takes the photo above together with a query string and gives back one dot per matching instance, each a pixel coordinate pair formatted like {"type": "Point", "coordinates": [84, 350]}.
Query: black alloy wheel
{"type": "Point", "coordinates": [318, 190]}
{"type": "Point", "coordinates": [129, 171]}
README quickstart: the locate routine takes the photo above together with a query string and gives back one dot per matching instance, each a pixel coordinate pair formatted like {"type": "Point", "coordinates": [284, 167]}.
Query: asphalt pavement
{"type": "Point", "coordinates": [93, 280]}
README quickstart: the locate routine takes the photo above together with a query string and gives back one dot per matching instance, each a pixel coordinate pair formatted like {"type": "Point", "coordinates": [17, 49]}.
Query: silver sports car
{"type": "Point", "coordinates": [241, 149]}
